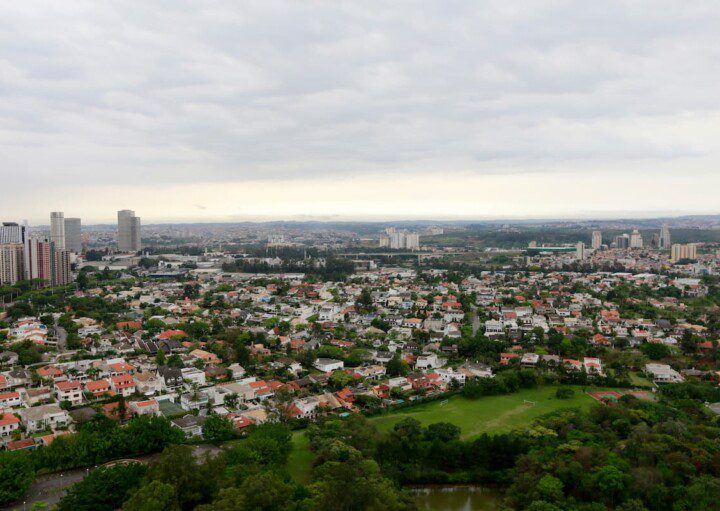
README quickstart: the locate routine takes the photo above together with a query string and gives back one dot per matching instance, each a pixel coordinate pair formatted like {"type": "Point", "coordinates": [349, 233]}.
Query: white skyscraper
{"type": "Point", "coordinates": [73, 237]}
{"type": "Point", "coordinates": [636, 240]}
{"type": "Point", "coordinates": [57, 229]}
{"type": "Point", "coordinates": [596, 240]}
{"type": "Point", "coordinates": [128, 231]}
{"type": "Point", "coordinates": [580, 250]}
{"type": "Point", "coordinates": [11, 232]}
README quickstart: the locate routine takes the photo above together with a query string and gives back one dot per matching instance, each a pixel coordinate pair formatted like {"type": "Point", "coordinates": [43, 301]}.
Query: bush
{"type": "Point", "coordinates": [564, 393]}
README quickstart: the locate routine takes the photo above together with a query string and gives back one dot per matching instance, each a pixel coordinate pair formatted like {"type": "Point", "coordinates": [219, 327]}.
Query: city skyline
{"type": "Point", "coordinates": [288, 111]}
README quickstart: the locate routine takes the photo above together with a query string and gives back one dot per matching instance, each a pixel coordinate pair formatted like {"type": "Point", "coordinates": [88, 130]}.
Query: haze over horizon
{"type": "Point", "coordinates": [219, 112]}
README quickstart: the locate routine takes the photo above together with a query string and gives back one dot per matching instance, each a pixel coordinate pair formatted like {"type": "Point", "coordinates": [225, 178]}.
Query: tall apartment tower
{"type": "Point", "coordinates": [679, 252]}
{"type": "Point", "coordinates": [57, 229]}
{"type": "Point", "coordinates": [12, 266]}
{"type": "Point", "coordinates": [44, 261]}
{"type": "Point", "coordinates": [11, 232]}
{"type": "Point", "coordinates": [596, 240]}
{"type": "Point", "coordinates": [39, 262]}
{"type": "Point", "coordinates": [665, 237]}
{"type": "Point", "coordinates": [128, 231]}
{"type": "Point", "coordinates": [636, 240]}
{"type": "Point", "coordinates": [580, 250]}
{"type": "Point", "coordinates": [73, 236]}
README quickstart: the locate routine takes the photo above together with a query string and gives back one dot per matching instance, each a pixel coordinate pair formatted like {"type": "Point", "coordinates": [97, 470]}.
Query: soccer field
{"type": "Point", "coordinates": [491, 414]}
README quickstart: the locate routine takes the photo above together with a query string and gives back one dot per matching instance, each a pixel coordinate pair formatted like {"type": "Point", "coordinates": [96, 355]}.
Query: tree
{"type": "Point", "coordinates": [154, 496]}
{"type": "Point", "coordinates": [550, 488]}
{"type": "Point", "coordinates": [396, 366]}
{"type": "Point", "coordinates": [103, 489]}
{"type": "Point", "coordinates": [265, 492]}
{"type": "Point", "coordinates": [218, 428]}
{"type": "Point", "coordinates": [177, 466]}
{"type": "Point", "coordinates": [703, 493]}
{"type": "Point", "coordinates": [16, 475]}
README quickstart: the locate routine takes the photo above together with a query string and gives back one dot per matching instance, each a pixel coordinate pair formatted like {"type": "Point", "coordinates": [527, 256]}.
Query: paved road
{"type": "Point", "coordinates": [475, 323]}
{"type": "Point", "coordinates": [60, 336]}
{"type": "Point", "coordinates": [50, 488]}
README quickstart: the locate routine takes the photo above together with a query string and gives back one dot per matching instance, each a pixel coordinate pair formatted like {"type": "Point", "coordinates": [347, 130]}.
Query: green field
{"type": "Point", "coordinates": [299, 463]}
{"type": "Point", "coordinates": [491, 414]}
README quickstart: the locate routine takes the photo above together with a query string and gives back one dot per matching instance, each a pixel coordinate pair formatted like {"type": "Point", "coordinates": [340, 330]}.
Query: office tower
{"type": "Point", "coordinates": [73, 236]}
{"type": "Point", "coordinates": [57, 229]}
{"type": "Point", "coordinates": [665, 237]}
{"type": "Point", "coordinates": [596, 240]}
{"type": "Point", "coordinates": [679, 252]}
{"type": "Point", "coordinates": [11, 263]}
{"type": "Point", "coordinates": [636, 240]}
{"type": "Point", "coordinates": [397, 240]}
{"type": "Point", "coordinates": [11, 232]}
{"type": "Point", "coordinates": [622, 241]}
{"type": "Point", "coordinates": [128, 231]}
{"type": "Point", "coordinates": [580, 250]}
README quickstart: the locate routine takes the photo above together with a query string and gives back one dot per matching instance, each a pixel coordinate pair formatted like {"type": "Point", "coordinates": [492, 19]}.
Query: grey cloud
{"type": "Point", "coordinates": [159, 91]}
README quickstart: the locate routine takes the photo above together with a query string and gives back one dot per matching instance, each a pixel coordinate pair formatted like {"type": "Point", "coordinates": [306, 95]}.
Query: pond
{"type": "Point", "coordinates": [458, 498]}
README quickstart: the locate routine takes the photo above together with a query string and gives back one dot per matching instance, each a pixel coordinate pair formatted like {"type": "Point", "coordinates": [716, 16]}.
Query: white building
{"type": "Point", "coordinates": [663, 373]}
{"type": "Point", "coordinates": [328, 364]}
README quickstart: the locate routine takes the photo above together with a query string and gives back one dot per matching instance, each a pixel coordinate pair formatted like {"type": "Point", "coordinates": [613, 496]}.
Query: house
{"type": "Point", "coordinates": [505, 358]}
{"type": "Point", "coordinates": [99, 388]}
{"type": "Point", "coordinates": [191, 425]}
{"type": "Point", "coordinates": [147, 383]}
{"type": "Point", "coordinates": [170, 377]}
{"type": "Point", "coordinates": [8, 424]}
{"type": "Point", "coordinates": [123, 384]}
{"type": "Point", "coordinates": [10, 400]}
{"type": "Point", "coordinates": [328, 364]}
{"type": "Point", "coordinates": [529, 359]}
{"type": "Point", "coordinates": [593, 366]}
{"type": "Point", "coordinates": [428, 360]}
{"type": "Point", "coordinates": [205, 356]}
{"type": "Point", "coordinates": [40, 418]}
{"type": "Point", "coordinates": [69, 391]}
{"type": "Point", "coordinates": [193, 375]}
{"type": "Point", "coordinates": [148, 407]}
{"type": "Point", "coordinates": [448, 375]}
{"type": "Point", "coordinates": [663, 373]}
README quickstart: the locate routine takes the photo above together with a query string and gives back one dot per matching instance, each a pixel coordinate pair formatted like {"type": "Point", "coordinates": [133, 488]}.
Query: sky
{"type": "Point", "coordinates": [228, 111]}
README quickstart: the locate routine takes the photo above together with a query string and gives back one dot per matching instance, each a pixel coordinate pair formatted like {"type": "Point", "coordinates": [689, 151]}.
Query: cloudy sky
{"type": "Point", "coordinates": [227, 110]}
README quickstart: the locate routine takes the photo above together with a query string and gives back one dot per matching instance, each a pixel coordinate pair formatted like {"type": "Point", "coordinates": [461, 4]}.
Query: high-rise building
{"type": "Point", "coordinates": [11, 232]}
{"type": "Point", "coordinates": [39, 260]}
{"type": "Point", "coordinates": [128, 231]}
{"type": "Point", "coordinates": [44, 261]}
{"type": "Point", "coordinates": [57, 229]}
{"type": "Point", "coordinates": [580, 250]}
{"type": "Point", "coordinates": [73, 235]}
{"type": "Point", "coordinates": [665, 241]}
{"type": "Point", "coordinates": [679, 252]}
{"type": "Point", "coordinates": [62, 271]}
{"type": "Point", "coordinates": [636, 240]}
{"type": "Point", "coordinates": [412, 241]}
{"type": "Point", "coordinates": [596, 240]}
{"type": "Point", "coordinates": [622, 241]}
{"type": "Point", "coordinates": [11, 263]}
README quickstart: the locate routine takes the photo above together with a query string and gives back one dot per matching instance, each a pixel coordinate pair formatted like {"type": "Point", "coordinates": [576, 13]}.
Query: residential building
{"type": "Point", "coordinates": [39, 418]}
{"type": "Point", "coordinates": [328, 364]}
{"type": "Point", "coordinates": [679, 252]}
{"type": "Point", "coordinates": [11, 263]}
{"type": "Point", "coordinates": [636, 240]}
{"type": "Point", "coordinates": [69, 391]}
{"type": "Point", "coordinates": [11, 232]}
{"type": "Point", "coordinates": [596, 240]}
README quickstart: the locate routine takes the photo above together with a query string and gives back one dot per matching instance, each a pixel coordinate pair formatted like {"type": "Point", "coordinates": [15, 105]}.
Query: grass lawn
{"type": "Point", "coordinates": [490, 414]}
{"type": "Point", "coordinates": [299, 462]}
{"type": "Point", "coordinates": [636, 379]}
